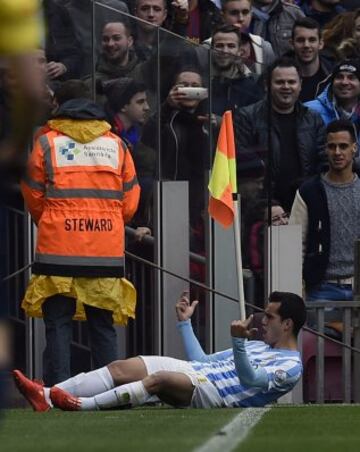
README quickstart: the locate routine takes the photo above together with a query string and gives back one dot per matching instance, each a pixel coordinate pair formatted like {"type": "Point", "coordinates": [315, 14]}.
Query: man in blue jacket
{"type": "Point", "coordinates": [341, 97]}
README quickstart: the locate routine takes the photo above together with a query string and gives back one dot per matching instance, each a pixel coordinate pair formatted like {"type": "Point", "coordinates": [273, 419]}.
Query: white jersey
{"type": "Point", "coordinates": [283, 368]}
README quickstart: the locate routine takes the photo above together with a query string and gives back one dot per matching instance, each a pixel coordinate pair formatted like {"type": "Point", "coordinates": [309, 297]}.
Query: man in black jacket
{"type": "Point", "coordinates": [307, 43]}
{"type": "Point", "coordinates": [294, 132]}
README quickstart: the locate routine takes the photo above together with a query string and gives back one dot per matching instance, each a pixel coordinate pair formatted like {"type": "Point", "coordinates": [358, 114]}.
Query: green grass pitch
{"type": "Point", "coordinates": [292, 429]}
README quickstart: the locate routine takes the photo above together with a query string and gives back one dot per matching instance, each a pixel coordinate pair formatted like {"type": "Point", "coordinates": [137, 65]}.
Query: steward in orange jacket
{"type": "Point", "coordinates": [81, 189]}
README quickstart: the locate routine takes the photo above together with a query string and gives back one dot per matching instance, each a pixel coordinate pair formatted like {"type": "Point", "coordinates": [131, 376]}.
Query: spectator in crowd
{"type": "Point", "coordinates": [117, 57]}
{"type": "Point", "coordinates": [63, 51]}
{"type": "Point", "coordinates": [153, 14]}
{"type": "Point", "coordinates": [253, 243]}
{"type": "Point", "coordinates": [334, 33]}
{"type": "Point", "coordinates": [350, 46]}
{"type": "Point", "coordinates": [256, 53]}
{"type": "Point", "coordinates": [307, 44]}
{"type": "Point", "coordinates": [251, 373]}
{"type": "Point", "coordinates": [273, 20]}
{"type": "Point", "coordinates": [203, 17]}
{"type": "Point", "coordinates": [233, 85]}
{"type": "Point", "coordinates": [80, 190]}
{"type": "Point", "coordinates": [184, 137]}
{"type": "Point", "coordinates": [127, 109]}
{"type": "Point", "coordinates": [80, 12]}
{"type": "Point", "coordinates": [323, 11]}
{"type": "Point", "coordinates": [340, 98]}
{"type": "Point", "coordinates": [171, 53]}
{"type": "Point", "coordinates": [328, 208]}
{"type": "Point", "coordinates": [296, 133]}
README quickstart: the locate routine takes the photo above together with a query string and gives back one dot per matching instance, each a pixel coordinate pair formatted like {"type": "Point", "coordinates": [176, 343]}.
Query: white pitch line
{"type": "Point", "coordinates": [232, 434]}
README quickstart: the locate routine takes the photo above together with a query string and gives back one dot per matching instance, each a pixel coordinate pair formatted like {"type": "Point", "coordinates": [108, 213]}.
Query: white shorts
{"type": "Point", "coordinates": [205, 394]}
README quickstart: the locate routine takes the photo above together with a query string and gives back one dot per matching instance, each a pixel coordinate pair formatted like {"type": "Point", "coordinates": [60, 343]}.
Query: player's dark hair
{"type": "Point", "coordinates": [291, 307]}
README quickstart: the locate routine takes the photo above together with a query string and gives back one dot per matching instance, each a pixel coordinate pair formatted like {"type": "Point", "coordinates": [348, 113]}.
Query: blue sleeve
{"type": "Point", "coordinates": [193, 349]}
{"type": "Point", "coordinates": [257, 378]}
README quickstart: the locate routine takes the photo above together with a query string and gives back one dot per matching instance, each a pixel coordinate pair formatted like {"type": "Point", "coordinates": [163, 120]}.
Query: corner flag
{"type": "Point", "coordinates": [223, 175]}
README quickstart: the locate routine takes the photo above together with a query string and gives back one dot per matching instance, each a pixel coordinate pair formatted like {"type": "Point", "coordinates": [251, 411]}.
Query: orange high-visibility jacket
{"type": "Point", "coordinates": [80, 193]}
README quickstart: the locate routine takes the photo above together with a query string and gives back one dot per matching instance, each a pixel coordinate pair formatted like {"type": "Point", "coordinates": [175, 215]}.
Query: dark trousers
{"type": "Point", "coordinates": [58, 312]}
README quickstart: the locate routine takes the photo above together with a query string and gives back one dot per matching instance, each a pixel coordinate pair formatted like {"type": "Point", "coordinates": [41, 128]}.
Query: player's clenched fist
{"type": "Point", "coordinates": [240, 328]}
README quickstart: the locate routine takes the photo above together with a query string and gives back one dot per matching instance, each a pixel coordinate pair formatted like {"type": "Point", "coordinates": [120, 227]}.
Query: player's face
{"type": "Point", "coordinates": [272, 324]}
{"type": "Point", "coordinates": [340, 150]}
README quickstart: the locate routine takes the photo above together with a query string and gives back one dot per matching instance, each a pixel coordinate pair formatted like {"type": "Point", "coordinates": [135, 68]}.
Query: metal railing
{"type": "Point", "coordinates": [139, 334]}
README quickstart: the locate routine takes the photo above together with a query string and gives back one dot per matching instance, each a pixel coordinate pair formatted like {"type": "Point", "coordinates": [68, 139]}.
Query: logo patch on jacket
{"type": "Point", "coordinates": [100, 152]}
{"type": "Point", "coordinates": [280, 376]}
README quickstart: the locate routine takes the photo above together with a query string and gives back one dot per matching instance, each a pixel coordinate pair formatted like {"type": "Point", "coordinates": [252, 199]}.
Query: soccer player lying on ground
{"type": "Point", "coordinates": [251, 373]}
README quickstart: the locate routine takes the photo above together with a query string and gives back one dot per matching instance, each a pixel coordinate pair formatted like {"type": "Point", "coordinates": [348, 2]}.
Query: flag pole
{"type": "Point", "coordinates": [238, 256]}
{"type": "Point", "coordinates": [224, 199]}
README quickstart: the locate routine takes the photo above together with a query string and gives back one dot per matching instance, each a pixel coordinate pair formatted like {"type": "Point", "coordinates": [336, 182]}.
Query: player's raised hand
{"type": "Point", "coordinates": [241, 328]}
{"type": "Point", "coordinates": [185, 309]}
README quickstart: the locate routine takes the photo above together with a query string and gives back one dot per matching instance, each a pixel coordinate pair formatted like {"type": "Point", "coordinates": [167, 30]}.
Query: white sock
{"type": "Point", "coordinates": [47, 396]}
{"type": "Point", "coordinates": [133, 394]}
{"type": "Point", "coordinates": [88, 384]}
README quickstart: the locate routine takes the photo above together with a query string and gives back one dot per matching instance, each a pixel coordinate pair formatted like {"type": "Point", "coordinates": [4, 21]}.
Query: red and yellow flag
{"type": "Point", "coordinates": [223, 176]}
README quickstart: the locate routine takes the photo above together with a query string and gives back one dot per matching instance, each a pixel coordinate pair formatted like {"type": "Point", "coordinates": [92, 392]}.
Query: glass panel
{"type": "Point", "coordinates": [125, 82]}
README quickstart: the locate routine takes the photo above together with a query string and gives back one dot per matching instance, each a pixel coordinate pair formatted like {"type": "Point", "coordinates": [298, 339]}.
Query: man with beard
{"type": "Point", "coordinates": [117, 58]}
{"type": "Point", "coordinates": [307, 44]}
{"type": "Point", "coordinates": [233, 85]}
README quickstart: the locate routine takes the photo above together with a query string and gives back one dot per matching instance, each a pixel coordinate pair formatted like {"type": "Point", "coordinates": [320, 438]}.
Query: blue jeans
{"type": "Point", "coordinates": [330, 291]}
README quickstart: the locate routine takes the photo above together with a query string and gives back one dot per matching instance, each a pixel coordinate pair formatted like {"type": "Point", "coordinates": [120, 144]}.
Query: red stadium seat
{"type": "Point", "coordinates": [333, 369]}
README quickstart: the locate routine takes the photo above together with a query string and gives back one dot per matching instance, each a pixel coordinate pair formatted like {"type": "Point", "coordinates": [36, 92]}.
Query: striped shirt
{"type": "Point", "coordinates": [283, 368]}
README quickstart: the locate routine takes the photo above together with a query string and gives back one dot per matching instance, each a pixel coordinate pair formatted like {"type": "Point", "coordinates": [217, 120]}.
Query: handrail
{"type": "Point", "coordinates": [314, 305]}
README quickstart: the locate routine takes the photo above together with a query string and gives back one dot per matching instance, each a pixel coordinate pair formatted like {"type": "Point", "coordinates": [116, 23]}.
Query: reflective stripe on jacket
{"type": "Point", "coordinates": [80, 194]}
